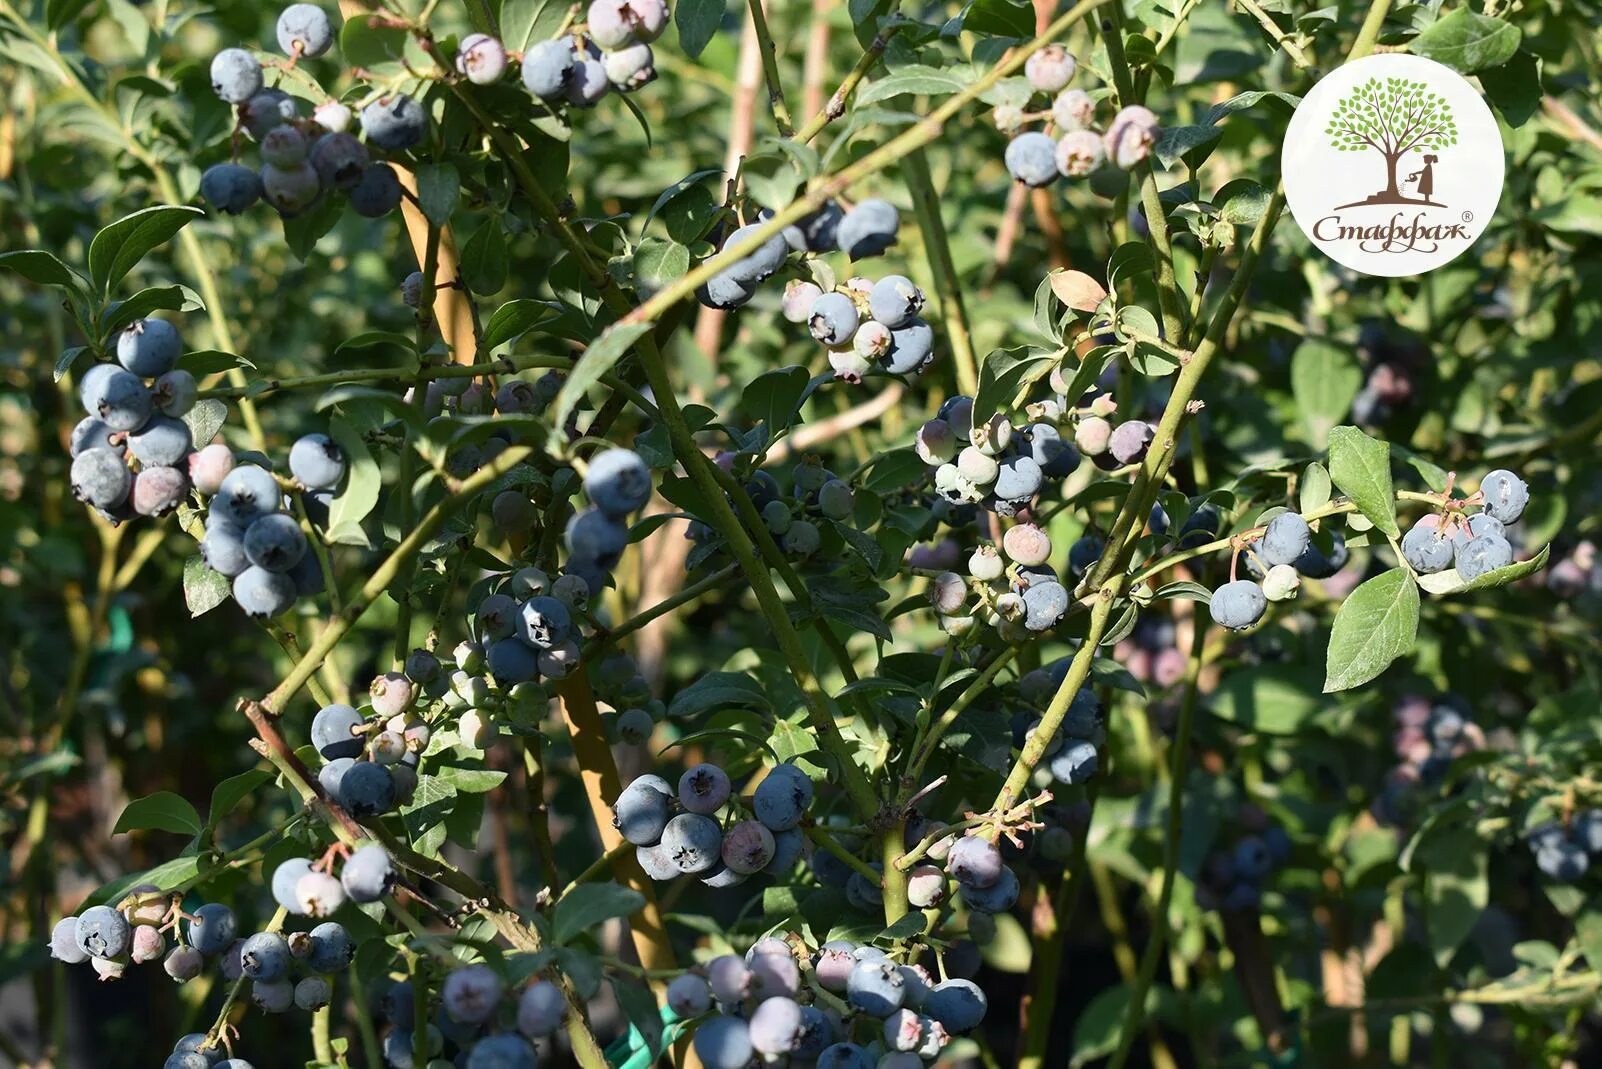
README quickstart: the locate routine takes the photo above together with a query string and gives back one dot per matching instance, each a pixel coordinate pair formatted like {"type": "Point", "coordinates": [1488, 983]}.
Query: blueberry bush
{"type": "Point", "coordinates": [821, 534]}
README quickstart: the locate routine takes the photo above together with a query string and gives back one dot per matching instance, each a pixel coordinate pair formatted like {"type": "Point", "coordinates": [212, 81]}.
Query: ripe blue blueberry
{"type": "Point", "coordinates": [123, 400]}
{"type": "Point", "coordinates": [723, 292]}
{"type": "Point", "coordinates": [782, 798]}
{"type": "Point", "coordinates": [101, 932]}
{"type": "Point", "coordinates": [1075, 763]}
{"type": "Point", "coordinates": [174, 392]}
{"type": "Point", "coordinates": [223, 547]}
{"type": "Point", "coordinates": [502, 1051]}
{"type": "Point", "coordinates": [724, 1043]}
{"type": "Point", "coordinates": [470, 994]}
{"type": "Point", "coordinates": [689, 996]}
{"type": "Point", "coordinates": [265, 956]}
{"type": "Point", "coordinates": [540, 1009]}
{"type": "Point", "coordinates": [1130, 440]}
{"type": "Point", "coordinates": [263, 594]}
{"type": "Point", "coordinates": [1238, 605]}
{"type": "Point", "coordinates": [959, 1005]}
{"type": "Point", "coordinates": [1426, 549]}
{"type": "Point", "coordinates": [1506, 495]}
{"type": "Point", "coordinates": [587, 82]}
{"type": "Point", "coordinates": [339, 160]}
{"type": "Point", "coordinates": [481, 59]}
{"type": "Point", "coordinates": [895, 301]}
{"type": "Point", "coordinates": [511, 661]}
{"type": "Point", "coordinates": [1484, 554]}
{"type": "Point", "coordinates": [186, 1060]}
{"type": "Point", "coordinates": [265, 110]}
{"type": "Point", "coordinates": [642, 811]}
{"type": "Point", "coordinates": [394, 123]}
{"type": "Point", "coordinates": [212, 928]}
{"type": "Point", "coordinates": [272, 996]}
{"type": "Point", "coordinates": [1315, 563]}
{"type": "Point", "coordinates": [290, 190]}
{"type": "Point", "coordinates": [845, 1056]}
{"type": "Point", "coordinates": [1018, 479]}
{"type": "Point", "coordinates": [775, 1027]}
{"type": "Point", "coordinates": [317, 462]}
{"type": "Point", "coordinates": [235, 75]}
{"type": "Point", "coordinates": [304, 30]}
{"type": "Point", "coordinates": [704, 789]}
{"type": "Point", "coordinates": [975, 861]}
{"type": "Point", "coordinates": [876, 987]}
{"type": "Point", "coordinates": [368, 874]}
{"type": "Point", "coordinates": [1031, 158]}
{"type": "Point", "coordinates": [1285, 539]}
{"type": "Point", "coordinates": [149, 347]}
{"type": "Point", "coordinates": [288, 874]}
{"type": "Point", "coordinates": [868, 229]}
{"type": "Point", "coordinates": [1055, 457]}
{"type": "Point", "coordinates": [546, 67]}
{"type": "Point", "coordinates": [1045, 604]}
{"type": "Point", "coordinates": [366, 790]}
{"type": "Point", "coordinates": [594, 536]}
{"type": "Point", "coordinates": [833, 319]}
{"type": "Point", "coordinates": [284, 146]}
{"type": "Point", "coordinates": [911, 349]}
{"type": "Point", "coordinates": [333, 731]}
{"type": "Point", "coordinates": [1251, 858]}
{"type": "Point", "coordinates": [377, 191]}
{"type": "Point", "coordinates": [747, 847]}
{"type": "Point", "coordinates": [618, 482]}
{"type": "Point", "coordinates": [92, 433]}
{"type": "Point", "coordinates": [100, 477]}
{"type": "Point", "coordinates": [246, 493]}
{"type": "Point", "coordinates": [275, 542]}
{"type": "Point", "coordinates": [544, 622]}
{"type": "Point", "coordinates": [694, 842]}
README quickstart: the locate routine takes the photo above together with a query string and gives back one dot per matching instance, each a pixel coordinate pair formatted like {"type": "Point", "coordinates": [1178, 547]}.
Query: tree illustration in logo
{"type": "Point", "coordinates": [1394, 117]}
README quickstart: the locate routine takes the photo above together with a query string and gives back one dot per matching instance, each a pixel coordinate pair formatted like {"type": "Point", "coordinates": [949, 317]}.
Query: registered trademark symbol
{"type": "Point", "coordinates": [1468, 217]}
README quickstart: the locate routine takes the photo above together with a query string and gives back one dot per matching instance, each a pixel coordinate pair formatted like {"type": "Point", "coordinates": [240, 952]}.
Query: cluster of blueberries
{"type": "Point", "coordinates": [1071, 754]}
{"type": "Point", "coordinates": [469, 1028]}
{"type": "Point", "coordinates": [371, 766]}
{"type": "Point", "coordinates": [132, 452]}
{"type": "Point", "coordinates": [1563, 852]}
{"type": "Point", "coordinates": [1071, 146]}
{"type": "Point", "coordinates": [1151, 653]}
{"type": "Point", "coordinates": [1576, 573]}
{"type": "Point", "coordinates": [1233, 879]}
{"type": "Point", "coordinates": [802, 522]}
{"type": "Point", "coordinates": [856, 1008]}
{"type": "Point", "coordinates": [302, 159]}
{"type": "Point", "coordinates": [1429, 735]}
{"type": "Point", "coordinates": [692, 842]}
{"type": "Point", "coordinates": [613, 52]}
{"type": "Point", "coordinates": [1473, 544]}
{"type": "Point", "coordinates": [1278, 555]}
{"type": "Point", "coordinates": [251, 538]}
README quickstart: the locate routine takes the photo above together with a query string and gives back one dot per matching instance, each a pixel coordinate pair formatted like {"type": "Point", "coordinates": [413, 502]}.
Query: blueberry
{"type": "Point", "coordinates": [723, 293]}
{"type": "Point", "coordinates": [1587, 830]}
{"type": "Point", "coordinates": [975, 861]}
{"type": "Point", "coordinates": [1075, 763]}
{"type": "Point", "coordinates": [318, 894]}
{"type": "Point", "coordinates": [1505, 495]}
{"type": "Point", "coordinates": [340, 162]}
{"type": "Point", "coordinates": [332, 116]}
{"type": "Point", "coordinates": [290, 190]}
{"type": "Point", "coordinates": [782, 798]}
{"type": "Point", "coordinates": [208, 468]}
{"type": "Point", "coordinates": [1485, 554]}
{"type": "Point", "coordinates": [92, 433]}
{"type": "Point", "coordinates": [816, 232]}
{"type": "Point", "coordinates": [587, 82]}
{"type": "Point", "coordinates": [275, 542]}
{"type": "Point", "coordinates": [1238, 605]}
{"type": "Point", "coordinates": [1031, 158]}
{"type": "Point", "coordinates": [544, 622]}
{"type": "Point", "coordinates": [546, 67]}
{"type": "Point", "coordinates": [610, 23]}
{"type": "Point", "coordinates": [123, 402]}
{"type": "Point", "coordinates": [101, 932]}
{"type": "Point", "coordinates": [1314, 563]}
{"type": "Point", "coordinates": [377, 191]}
{"type": "Point", "coordinates": [263, 594]}
{"type": "Point", "coordinates": [186, 1060]}
{"type": "Point", "coordinates": [618, 482]}
{"type": "Point", "coordinates": [1426, 549]}
{"type": "Point", "coordinates": [630, 68]}
{"type": "Point", "coordinates": [1285, 539]}
{"type": "Point", "coordinates": [272, 996]}
{"type": "Point", "coordinates": [787, 846]}
{"type": "Point", "coordinates": [959, 1005]}
{"type": "Point", "coordinates": [656, 862]}
{"type": "Point", "coordinates": [212, 928]}
{"type": "Point", "coordinates": [183, 964]}
{"type": "Point", "coordinates": [1056, 457]}
{"type": "Point", "coordinates": [265, 956]}
{"type": "Point", "coordinates": [313, 993]}
{"type": "Point", "coordinates": [1018, 479]}
{"type": "Point", "coordinates": [845, 1056]}
{"type": "Point", "coordinates": [704, 789]}
{"type": "Point", "coordinates": [642, 811]}
{"type": "Point", "coordinates": [333, 731]}
{"type": "Point", "coordinates": [284, 147]}
{"type": "Point", "coordinates": [368, 874]}
{"type": "Point", "coordinates": [595, 537]}
{"type": "Point", "coordinates": [724, 1043]}
{"type": "Point", "coordinates": [876, 988]}
{"type": "Point", "coordinates": [235, 75]}
{"type": "Point", "coordinates": [100, 477]}
{"type": "Point", "coordinates": [304, 30]}
{"type": "Point", "coordinates": [148, 347]}
{"type": "Point", "coordinates": [689, 996]}
{"type": "Point", "coordinates": [1073, 110]}
{"type": "Point", "coordinates": [265, 110]}
{"type": "Point", "coordinates": [1130, 136]}
{"type": "Point", "coordinates": [761, 263]}
{"type": "Point", "coordinates": [868, 229]}
{"type": "Point", "coordinates": [1130, 440]}
{"type": "Point", "coordinates": [1251, 858]}
{"type": "Point", "coordinates": [157, 490]}
{"type": "Point", "coordinates": [174, 392]}
{"type": "Point", "coordinates": [502, 1051]}
{"type": "Point", "coordinates": [470, 994]}
{"type": "Point", "coordinates": [287, 875]}
{"type": "Point", "coordinates": [394, 123]}
{"type": "Point", "coordinates": [511, 661]}
{"type": "Point", "coordinates": [775, 1026]}
{"type": "Point", "coordinates": [481, 59]}
{"type": "Point", "coordinates": [693, 842]}
{"type": "Point", "coordinates": [1050, 69]}
{"type": "Point", "coordinates": [747, 847]}
{"type": "Point", "coordinates": [911, 349]}
{"type": "Point", "coordinates": [1045, 604]}
{"type": "Point", "coordinates": [540, 1009]}
{"type": "Point", "coordinates": [64, 942]}
{"type": "Point", "coordinates": [1480, 525]}
{"type": "Point", "coordinates": [367, 790]}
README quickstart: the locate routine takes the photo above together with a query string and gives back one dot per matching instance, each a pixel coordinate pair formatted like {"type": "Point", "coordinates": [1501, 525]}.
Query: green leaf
{"type": "Point", "coordinates": [1188, 144]}
{"type": "Point", "coordinates": [361, 44]}
{"type": "Point", "coordinates": [67, 358]}
{"type": "Point", "coordinates": [639, 1006]}
{"type": "Point", "coordinates": [775, 397]}
{"type": "Point", "coordinates": [204, 589]}
{"type": "Point", "coordinates": [527, 22]}
{"type": "Point", "coordinates": [205, 420]}
{"type": "Point", "coordinates": [999, 18]}
{"type": "Point", "coordinates": [1377, 624]}
{"type": "Point", "coordinates": [167, 298]}
{"type": "Point", "coordinates": [514, 319]}
{"type": "Point", "coordinates": [204, 362]}
{"type": "Point", "coordinates": [438, 186]}
{"type": "Point", "coordinates": [1515, 88]}
{"type": "Point", "coordinates": [1360, 467]}
{"type": "Point", "coordinates": [363, 480]}
{"type": "Point", "coordinates": [1011, 950]}
{"type": "Point", "coordinates": [918, 81]}
{"type": "Point", "coordinates": [41, 267]}
{"type": "Point", "coordinates": [470, 780]}
{"type": "Point", "coordinates": [1242, 201]}
{"type": "Point", "coordinates": [697, 21]}
{"type": "Point", "coordinates": [1099, 1024]}
{"type": "Point", "coordinates": [1455, 889]}
{"type": "Point", "coordinates": [302, 232]}
{"type": "Point", "coordinates": [1467, 41]}
{"type": "Point", "coordinates": [1324, 380]}
{"type": "Point", "coordinates": [162, 811]}
{"type": "Point", "coordinates": [1277, 699]}
{"type": "Point", "coordinates": [1588, 931]}
{"type": "Point", "coordinates": [484, 259]}
{"type": "Point", "coordinates": [1443, 584]}
{"type": "Point", "coordinates": [659, 262]}
{"type": "Point", "coordinates": [597, 360]}
{"type": "Point", "coordinates": [233, 790]}
{"type": "Point", "coordinates": [1130, 260]}
{"type": "Point", "coordinates": [715, 690]}
{"type": "Point", "coordinates": [115, 250]}
{"type": "Point", "coordinates": [1315, 488]}
{"type": "Point", "coordinates": [591, 904]}
{"type": "Point", "coordinates": [1286, 102]}
{"type": "Point", "coordinates": [168, 876]}
{"type": "Point", "coordinates": [369, 339]}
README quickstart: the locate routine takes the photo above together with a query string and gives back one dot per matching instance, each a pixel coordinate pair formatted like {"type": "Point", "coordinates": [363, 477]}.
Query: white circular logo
{"type": "Point", "coordinates": [1393, 165]}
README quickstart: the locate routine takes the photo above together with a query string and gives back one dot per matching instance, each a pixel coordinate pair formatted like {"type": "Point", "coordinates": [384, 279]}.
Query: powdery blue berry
{"type": "Point", "coordinates": [1079, 152]}
{"type": "Point", "coordinates": [974, 861]}
{"type": "Point", "coordinates": [263, 594]}
{"type": "Point", "coordinates": [724, 1043]}
{"type": "Point", "coordinates": [502, 1051]}
{"type": "Point", "coordinates": [693, 842]}
{"type": "Point", "coordinates": [333, 731]}
{"type": "Point", "coordinates": [1485, 554]}
{"type": "Point", "coordinates": [304, 30]}
{"type": "Point", "coordinates": [642, 811]}
{"type": "Point", "coordinates": [1238, 605]}
{"type": "Point", "coordinates": [366, 790]}
{"type": "Point", "coordinates": [546, 67]}
{"type": "Point", "coordinates": [540, 1009]}
{"type": "Point", "coordinates": [876, 988]}
{"type": "Point", "coordinates": [775, 1026]}
{"type": "Point", "coordinates": [100, 477]}
{"type": "Point", "coordinates": [339, 160]}
{"type": "Point", "coordinates": [868, 229]}
{"type": "Point", "coordinates": [368, 874]}
{"type": "Point", "coordinates": [959, 1005]}
{"type": "Point", "coordinates": [587, 82]}
{"type": "Point", "coordinates": [212, 928]}
{"type": "Point", "coordinates": [377, 191]}
{"type": "Point", "coordinates": [122, 401]}
{"type": "Point", "coordinates": [265, 956]}
{"type": "Point", "coordinates": [1031, 158]}
{"type": "Point", "coordinates": [911, 349]}
{"type": "Point", "coordinates": [704, 789]}
{"type": "Point", "coordinates": [1506, 495]}
{"type": "Point", "coordinates": [481, 59]}
{"type": "Point", "coordinates": [148, 347]}
{"type": "Point", "coordinates": [235, 75]}
{"type": "Point", "coordinates": [618, 482]}
{"type": "Point", "coordinates": [470, 994]}
{"type": "Point", "coordinates": [782, 798]}
{"type": "Point", "coordinates": [1285, 539]}
{"type": "Point", "coordinates": [275, 542]}
{"type": "Point", "coordinates": [394, 123]}
{"type": "Point", "coordinates": [292, 189]}
{"type": "Point", "coordinates": [1426, 549]}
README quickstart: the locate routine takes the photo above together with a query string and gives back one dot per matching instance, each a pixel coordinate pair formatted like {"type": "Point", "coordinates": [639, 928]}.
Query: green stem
{"type": "Point", "coordinates": [836, 105]}
{"type": "Point", "coordinates": [948, 289]}
{"type": "Point", "coordinates": [770, 67]}
{"type": "Point", "coordinates": [1368, 33]}
{"type": "Point", "coordinates": [659, 610]}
